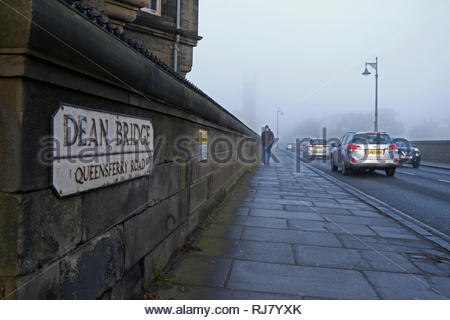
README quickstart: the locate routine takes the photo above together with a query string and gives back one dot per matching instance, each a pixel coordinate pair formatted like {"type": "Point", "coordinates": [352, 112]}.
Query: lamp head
{"type": "Point", "coordinates": [366, 72]}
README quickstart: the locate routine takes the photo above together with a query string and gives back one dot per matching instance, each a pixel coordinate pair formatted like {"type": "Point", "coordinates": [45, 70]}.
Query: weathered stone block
{"type": "Point", "coordinates": [14, 32]}
{"type": "Point", "coordinates": [160, 256]}
{"type": "Point", "coordinates": [177, 211]}
{"type": "Point", "coordinates": [130, 286]}
{"type": "Point", "coordinates": [42, 284]}
{"type": "Point", "coordinates": [93, 268]}
{"type": "Point", "coordinates": [51, 227]}
{"type": "Point", "coordinates": [11, 91]}
{"type": "Point", "coordinates": [7, 289]}
{"type": "Point", "coordinates": [164, 182]}
{"type": "Point", "coordinates": [106, 207]}
{"type": "Point", "coordinates": [193, 221]}
{"type": "Point", "coordinates": [36, 228]}
{"type": "Point", "coordinates": [9, 224]}
{"type": "Point", "coordinates": [143, 232]}
{"type": "Point", "coordinates": [198, 195]}
{"type": "Point", "coordinates": [201, 169]}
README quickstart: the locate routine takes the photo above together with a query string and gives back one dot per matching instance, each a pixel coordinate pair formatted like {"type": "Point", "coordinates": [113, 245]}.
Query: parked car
{"type": "Point", "coordinates": [408, 153]}
{"type": "Point", "coordinates": [365, 150]}
{"type": "Point", "coordinates": [291, 147]}
{"type": "Point", "coordinates": [317, 148]}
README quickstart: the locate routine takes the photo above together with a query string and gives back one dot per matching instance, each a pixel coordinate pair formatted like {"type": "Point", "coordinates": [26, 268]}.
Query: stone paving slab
{"type": "Point", "coordinates": [285, 235]}
{"type": "Point", "coordinates": [298, 208]}
{"type": "Point", "coordinates": [391, 261]}
{"type": "Point", "coordinates": [303, 215]}
{"type": "Point", "coordinates": [202, 270]}
{"type": "Point", "coordinates": [192, 292]}
{"type": "Point", "coordinates": [224, 231]}
{"type": "Point", "coordinates": [301, 281]}
{"type": "Point", "coordinates": [383, 244]}
{"type": "Point", "coordinates": [305, 225]}
{"type": "Point", "coordinates": [247, 250]}
{"type": "Point", "coordinates": [330, 257]}
{"type": "Point", "coordinates": [252, 221]}
{"type": "Point", "coordinates": [432, 266]}
{"type": "Point", "coordinates": [257, 205]}
{"type": "Point", "coordinates": [283, 201]}
{"type": "Point", "coordinates": [395, 232]}
{"type": "Point", "coordinates": [291, 236]}
{"type": "Point", "coordinates": [365, 213]}
{"type": "Point", "coordinates": [380, 221]}
{"type": "Point", "coordinates": [346, 228]}
{"type": "Point", "coordinates": [332, 211]}
{"type": "Point", "coordinates": [404, 286]}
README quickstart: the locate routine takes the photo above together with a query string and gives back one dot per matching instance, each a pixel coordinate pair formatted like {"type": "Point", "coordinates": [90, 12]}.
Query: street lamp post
{"type": "Point", "coordinates": [366, 72]}
{"type": "Point", "coordinates": [279, 112]}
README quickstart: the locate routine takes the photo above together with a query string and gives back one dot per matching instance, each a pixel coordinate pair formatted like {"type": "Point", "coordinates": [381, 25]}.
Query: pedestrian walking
{"type": "Point", "coordinates": [267, 140]}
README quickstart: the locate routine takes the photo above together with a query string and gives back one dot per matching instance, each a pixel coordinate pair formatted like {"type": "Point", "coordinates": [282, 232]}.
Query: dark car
{"type": "Point", "coordinates": [408, 152]}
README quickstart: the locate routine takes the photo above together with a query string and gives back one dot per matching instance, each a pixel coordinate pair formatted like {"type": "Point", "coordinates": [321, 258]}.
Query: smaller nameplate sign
{"type": "Point", "coordinates": [202, 145]}
{"type": "Point", "coordinates": [93, 148]}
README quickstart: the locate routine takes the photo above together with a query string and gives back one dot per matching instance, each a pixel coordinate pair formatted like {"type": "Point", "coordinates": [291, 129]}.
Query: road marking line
{"type": "Point", "coordinates": [442, 180]}
{"type": "Point", "coordinates": [411, 174]}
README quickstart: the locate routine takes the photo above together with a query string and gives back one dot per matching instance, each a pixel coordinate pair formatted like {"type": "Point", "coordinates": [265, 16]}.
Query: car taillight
{"type": "Point", "coordinates": [353, 147]}
{"type": "Point", "coordinates": [393, 147]}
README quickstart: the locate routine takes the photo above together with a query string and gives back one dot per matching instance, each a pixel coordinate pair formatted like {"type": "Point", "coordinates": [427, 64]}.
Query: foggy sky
{"type": "Point", "coordinates": [306, 57]}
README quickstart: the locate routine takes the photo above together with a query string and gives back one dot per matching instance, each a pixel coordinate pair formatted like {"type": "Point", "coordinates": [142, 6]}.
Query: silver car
{"type": "Point", "coordinates": [364, 150]}
{"type": "Point", "coordinates": [316, 148]}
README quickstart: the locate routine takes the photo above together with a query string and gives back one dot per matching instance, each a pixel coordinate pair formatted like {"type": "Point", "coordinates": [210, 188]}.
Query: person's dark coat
{"type": "Point", "coordinates": [269, 140]}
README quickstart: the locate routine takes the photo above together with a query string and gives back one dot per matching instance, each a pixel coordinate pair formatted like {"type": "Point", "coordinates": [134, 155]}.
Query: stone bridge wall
{"type": "Point", "coordinates": [104, 243]}
{"type": "Point", "coordinates": [434, 150]}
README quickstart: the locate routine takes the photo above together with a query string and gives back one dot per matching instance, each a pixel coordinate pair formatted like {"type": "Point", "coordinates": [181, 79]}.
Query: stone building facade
{"type": "Point", "coordinates": [168, 28]}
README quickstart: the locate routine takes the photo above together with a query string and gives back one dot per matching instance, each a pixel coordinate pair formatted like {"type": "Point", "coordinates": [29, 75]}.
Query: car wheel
{"type": "Point", "coordinates": [333, 167]}
{"type": "Point", "coordinates": [346, 171]}
{"type": "Point", "coordinates": [416, 163]}
{"type": "Point", "coordinates": [390, 172]}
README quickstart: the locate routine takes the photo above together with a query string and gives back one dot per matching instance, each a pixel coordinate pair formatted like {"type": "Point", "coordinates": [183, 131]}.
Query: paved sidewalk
{"type": "Point", "coordinates": [281, 235]}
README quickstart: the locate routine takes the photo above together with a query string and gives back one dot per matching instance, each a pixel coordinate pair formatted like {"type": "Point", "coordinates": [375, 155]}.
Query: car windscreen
{"type": "Point", "coordinates": [317, 142]}
{"type": "Point", "coordinates": [371, 139]}
{"type": "Point", "coordinates": [402, 143]}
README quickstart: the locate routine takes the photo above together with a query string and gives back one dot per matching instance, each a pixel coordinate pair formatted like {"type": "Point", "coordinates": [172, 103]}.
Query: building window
{"type": "Point", "coordinates": [154, 7]}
